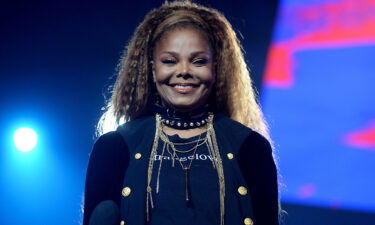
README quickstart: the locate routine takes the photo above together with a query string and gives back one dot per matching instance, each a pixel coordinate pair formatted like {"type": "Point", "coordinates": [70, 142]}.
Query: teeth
{"type": "Point", "coordinates": [183, 87]}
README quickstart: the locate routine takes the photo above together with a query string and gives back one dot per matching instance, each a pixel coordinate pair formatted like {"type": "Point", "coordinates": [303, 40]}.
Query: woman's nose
{"type": "Point", "coordinates": [183, 68]}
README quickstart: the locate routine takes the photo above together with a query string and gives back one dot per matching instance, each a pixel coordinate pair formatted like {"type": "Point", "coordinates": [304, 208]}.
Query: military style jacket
{"type": "Point", "coordinates": [118, 171]}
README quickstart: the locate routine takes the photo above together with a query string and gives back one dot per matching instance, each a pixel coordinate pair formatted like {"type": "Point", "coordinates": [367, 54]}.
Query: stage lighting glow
{"type": "Point", "coordinates": [25, 139]}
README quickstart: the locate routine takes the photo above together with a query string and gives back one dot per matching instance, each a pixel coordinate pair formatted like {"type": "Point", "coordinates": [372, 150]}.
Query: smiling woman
{"type": "Point", "coordinates": [194, 148]}
{"type": "Point", "coordinates": [183, 69]}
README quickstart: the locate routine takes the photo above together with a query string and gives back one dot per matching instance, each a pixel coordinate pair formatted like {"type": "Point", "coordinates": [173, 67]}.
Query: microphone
{"type": "Point", "coordinates": [105, 213]}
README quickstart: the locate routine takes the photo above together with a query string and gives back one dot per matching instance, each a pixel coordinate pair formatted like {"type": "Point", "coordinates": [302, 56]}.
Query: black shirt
{"type": "Point", "coordinates": [199, 184]}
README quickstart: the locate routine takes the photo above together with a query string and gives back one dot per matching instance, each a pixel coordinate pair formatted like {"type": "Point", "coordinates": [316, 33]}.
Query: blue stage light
{"type": "Point", "coordinates": [25, 139]}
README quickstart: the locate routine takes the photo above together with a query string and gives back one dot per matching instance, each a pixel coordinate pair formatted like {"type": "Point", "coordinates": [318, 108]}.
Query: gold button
{"type": "Point", "coordinates": [126, 191]}
{"type": "Point", "coordinates": [230, 156]}
{"type": "Point", "coordinates": [137, 155]}
{"type": "Point", "coordinates": [122, 222]}
{"type": "Point", "coordinates": [242, 190]}
{"type": "Point", "coordinates": [248, 221]}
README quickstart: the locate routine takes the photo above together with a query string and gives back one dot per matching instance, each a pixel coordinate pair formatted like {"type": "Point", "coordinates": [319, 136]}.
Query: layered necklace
{"type": "Point", "coordinates": [174, 153]}
{"type": "Point", "coordinates": [168, 146]}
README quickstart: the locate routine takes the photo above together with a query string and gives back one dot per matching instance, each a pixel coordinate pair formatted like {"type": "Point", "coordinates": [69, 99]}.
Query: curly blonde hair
{"type": "Point", "coordinates": [233, 93]}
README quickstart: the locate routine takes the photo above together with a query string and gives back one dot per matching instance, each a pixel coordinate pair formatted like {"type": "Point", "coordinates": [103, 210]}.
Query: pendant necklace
{"type": "Point", "coordinates": [185, 168]}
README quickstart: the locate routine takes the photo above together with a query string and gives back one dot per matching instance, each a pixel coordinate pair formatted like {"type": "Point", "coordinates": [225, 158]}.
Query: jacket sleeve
{"type": "Point", "coordinates": [260, 172]}
{"type": "Point", "coordinates": [105, 172]}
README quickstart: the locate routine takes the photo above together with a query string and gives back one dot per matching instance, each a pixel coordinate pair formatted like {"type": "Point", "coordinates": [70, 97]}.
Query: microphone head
{"type": "Point", "coordinates": [105, 213]}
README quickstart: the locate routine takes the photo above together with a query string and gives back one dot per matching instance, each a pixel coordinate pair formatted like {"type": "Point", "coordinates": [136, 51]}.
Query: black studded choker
{"type": "Point", "coordinates": [184, 124]}
{"type": "Point", "coordinates": [182, 120]}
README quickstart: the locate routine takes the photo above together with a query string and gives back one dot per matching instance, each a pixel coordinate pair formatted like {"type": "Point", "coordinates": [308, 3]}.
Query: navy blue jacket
{"type": "Point", "coordinates": [118, 171]}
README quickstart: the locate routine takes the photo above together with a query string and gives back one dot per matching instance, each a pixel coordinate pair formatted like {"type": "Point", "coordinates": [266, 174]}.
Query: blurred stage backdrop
{"type": "Point", "coordinates": [313, 62]}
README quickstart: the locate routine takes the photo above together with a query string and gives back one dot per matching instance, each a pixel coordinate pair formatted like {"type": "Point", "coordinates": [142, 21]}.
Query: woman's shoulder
{"type": "Point", "coordinates": [138, 132]}
{"type": "Point", "coordinates": [108, 144]}
{"type": "Point", "coordinates": [108, 139]}
{"type": "Point", "coordinates": [238, 131]}
{"type": "Point", "coordinates": [235, 128]}
{"type": "Point", "coordinates": [223, 121]}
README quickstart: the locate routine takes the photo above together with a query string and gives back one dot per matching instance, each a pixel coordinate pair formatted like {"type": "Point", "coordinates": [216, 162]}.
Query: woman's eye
{"type": "Point", "coordinates": [168, 61]}
{"type": "Point", "coordinates": [200, 61]}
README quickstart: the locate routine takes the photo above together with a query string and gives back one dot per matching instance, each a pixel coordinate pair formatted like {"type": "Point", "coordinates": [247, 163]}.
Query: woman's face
{"type": "Point", "coordinates": [183, 69]}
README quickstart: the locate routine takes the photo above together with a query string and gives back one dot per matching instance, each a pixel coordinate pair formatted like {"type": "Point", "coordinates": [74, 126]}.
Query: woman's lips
{"type": "Point", "coordinates": [184, 88]}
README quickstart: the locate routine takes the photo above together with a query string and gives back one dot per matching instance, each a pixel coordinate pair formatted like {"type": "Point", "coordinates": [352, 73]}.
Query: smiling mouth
{"type": "Point", "coordinates": [184, 88]}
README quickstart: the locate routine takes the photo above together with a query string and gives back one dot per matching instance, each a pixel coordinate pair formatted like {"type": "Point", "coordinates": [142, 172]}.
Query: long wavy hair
{"type": "Point", "coordinates": [233, 93]}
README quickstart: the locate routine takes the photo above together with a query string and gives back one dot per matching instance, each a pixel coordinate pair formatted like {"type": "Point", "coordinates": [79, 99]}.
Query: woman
{"type": "Point", "coordinates": [194, 147]}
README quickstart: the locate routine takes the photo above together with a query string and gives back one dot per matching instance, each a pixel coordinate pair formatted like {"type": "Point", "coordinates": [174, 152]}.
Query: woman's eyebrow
{"type": "Point", "coordinates": [192, 54]}
{"type": "Point", "coordinates": [175, 54]}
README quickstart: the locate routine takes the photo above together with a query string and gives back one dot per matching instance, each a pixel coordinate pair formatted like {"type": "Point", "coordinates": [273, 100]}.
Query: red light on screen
{"type": "Point", "coordinates": [330, 25]}
{"type": "Point", "coordinates": [364, 138]}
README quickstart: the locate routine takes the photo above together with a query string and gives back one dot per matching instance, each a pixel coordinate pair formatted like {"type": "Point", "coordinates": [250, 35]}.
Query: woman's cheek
{"type": "Point", "coordinates": [163, 74]}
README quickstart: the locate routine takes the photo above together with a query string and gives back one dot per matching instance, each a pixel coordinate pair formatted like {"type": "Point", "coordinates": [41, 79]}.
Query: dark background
{"type": "Point", "coordinates": [57, 59]}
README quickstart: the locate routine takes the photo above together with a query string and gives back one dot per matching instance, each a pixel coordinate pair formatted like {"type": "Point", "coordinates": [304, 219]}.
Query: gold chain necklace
{"type": "Point", "coordinates": [165, 139]}
{"type": "Point", "coordinates": [187, 143]}
{"type": "Point", "coordinates": [185, 168]}
{"type": "Point", "coordinates": [213, 150]}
